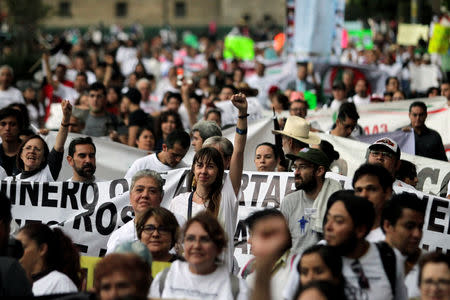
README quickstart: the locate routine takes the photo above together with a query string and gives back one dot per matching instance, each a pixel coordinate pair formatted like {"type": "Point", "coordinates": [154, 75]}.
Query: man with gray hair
{"type": "Point", "coordinates": [146, 191]}
{"type": "Point", "coordinates": [201, 131]}
{"type": "Point", "coordinates": [8, 93]}
{"type": "Point", "coordinates": [223, 145]}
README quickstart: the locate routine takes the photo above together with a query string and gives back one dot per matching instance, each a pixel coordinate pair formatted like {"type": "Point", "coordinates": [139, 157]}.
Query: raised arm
{"type": "Point", "coordinates": [240, 138]}
{"type": "Point", "coordinates": [64, 127]}
{"type": "Point", "coordinates": [48, 71]}
{"type": "Point", "coordinates": [185, 90]}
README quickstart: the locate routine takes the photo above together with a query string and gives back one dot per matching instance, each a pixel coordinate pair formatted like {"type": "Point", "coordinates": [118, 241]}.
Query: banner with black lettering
{"type": "Point", "coordinates": [89, 213]}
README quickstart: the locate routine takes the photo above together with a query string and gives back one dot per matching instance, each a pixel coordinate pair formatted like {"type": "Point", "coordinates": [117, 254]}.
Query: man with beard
{"type": "Point", "coordinates": [371, 271]}
{"type": "Point", "coordinates": [402, 221]}
{"type": "Point", "coordinates": [304, 209]}
{"type": "Point", "coordinates": [81, 158]}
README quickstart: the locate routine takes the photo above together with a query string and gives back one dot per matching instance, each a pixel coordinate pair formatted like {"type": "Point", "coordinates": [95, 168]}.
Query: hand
{"type": "Point", "coordinates": [113, 135]}
{"type": "Point", "coordinates": [185, 88]}
{"type": "Point", "coordinates": [43, 131]}
{"type": "Point", "coordinates": [240, 102]}
{"type": "Point", "coordinates": [406, 129]}
{"type": "Point", "coordinates": [45, 56]}
{"type": "Point", "coordinates": [66, 110]}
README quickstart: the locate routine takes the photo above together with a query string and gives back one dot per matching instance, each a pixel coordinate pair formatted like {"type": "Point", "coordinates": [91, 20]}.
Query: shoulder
{"type": "Point", "coordinates": [54, 283]}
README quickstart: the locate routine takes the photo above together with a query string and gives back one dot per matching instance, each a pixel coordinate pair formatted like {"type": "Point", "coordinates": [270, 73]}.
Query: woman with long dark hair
{"type": "Point", "coordinates": [208, 188]}
{"type": "Point", "coordinates": [50, 259]}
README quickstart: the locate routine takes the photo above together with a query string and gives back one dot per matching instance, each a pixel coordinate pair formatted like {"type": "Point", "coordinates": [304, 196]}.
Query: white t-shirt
{"type": "Point", "coordinates": [126, 233]}
{"type": "Point", "coordinates": [376, 235]}
{"type": "Point", "coordinates": [359, 100]}
{"type": "Point", "coordinates": [380, 288]}
{"type": "Point", "coordinates": [181, 283]}
{"type": "Point", "coordinates": [43, 175]}
{"type": "Point", "coordinates": [227, 214]}
{"type": "Point", "coordinates": [53, 283]}
{"type": "Point", "coordinates": [71, 75]}
{"type": "Point", "coordinates": [151, 162]}
{"type": "Point", "coordinates": [11, 95]}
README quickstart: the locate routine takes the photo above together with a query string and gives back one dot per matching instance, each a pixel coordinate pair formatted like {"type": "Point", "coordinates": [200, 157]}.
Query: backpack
{"type": "Point", "coordinates": [233, 280]}
{"type": "Point", "coordinates": [389, 261]}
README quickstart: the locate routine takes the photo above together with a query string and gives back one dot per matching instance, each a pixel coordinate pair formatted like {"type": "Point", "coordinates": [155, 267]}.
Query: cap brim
{"type": "Point", "coordinates": [313, 139]}
{"type": "Point", "coordinates": [374, 146]}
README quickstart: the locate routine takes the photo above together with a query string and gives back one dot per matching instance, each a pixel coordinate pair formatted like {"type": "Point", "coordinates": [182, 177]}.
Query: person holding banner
{"type": "Point", "coordinates": [34, 159]}
{"type": "Point", "coordinates": [210, 191]}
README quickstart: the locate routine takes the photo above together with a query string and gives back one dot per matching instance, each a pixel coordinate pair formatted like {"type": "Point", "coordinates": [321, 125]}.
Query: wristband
{"type": "Point", "coordinates": [244, 116]}
{"type": "Point", "coordinates": [241, 131]}
{"type": "Point", "coordinates": [65, 125]}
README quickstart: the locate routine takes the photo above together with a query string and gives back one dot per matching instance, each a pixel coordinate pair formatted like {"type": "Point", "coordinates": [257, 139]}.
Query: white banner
{"type": "Point", "coordinates": [89, 213]}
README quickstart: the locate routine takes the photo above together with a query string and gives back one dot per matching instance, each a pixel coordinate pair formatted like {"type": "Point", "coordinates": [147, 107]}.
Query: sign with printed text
{"type": "Point", "coordinates": [89, 213]}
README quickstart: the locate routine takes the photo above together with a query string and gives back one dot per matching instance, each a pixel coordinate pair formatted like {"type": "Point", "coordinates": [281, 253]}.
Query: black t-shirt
{"type": "Point", "coordinates": [8, 163]}
{"type": "Point", "coordinates": [140, 118]}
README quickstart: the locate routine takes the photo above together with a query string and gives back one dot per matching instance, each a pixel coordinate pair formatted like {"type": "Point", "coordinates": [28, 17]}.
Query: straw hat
{"type": "Point", "coordinates": [298, 128]}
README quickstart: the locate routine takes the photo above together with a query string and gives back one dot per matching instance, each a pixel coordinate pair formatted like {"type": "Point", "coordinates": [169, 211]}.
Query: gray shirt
{"type": "Point", "coordinates": [100, 125]}
{"type": "Point", "coordinates": [301, 214]}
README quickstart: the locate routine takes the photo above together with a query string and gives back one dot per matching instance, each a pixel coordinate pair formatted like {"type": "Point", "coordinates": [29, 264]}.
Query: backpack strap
{"type": "Point", "coordinates": [234, 281]}
{"type": "Point", "coordinates": [162, 280]}
{"type": "Point", "coordinates": [389, 261]}
{"type": "Point", "coordinates": [248, 268]}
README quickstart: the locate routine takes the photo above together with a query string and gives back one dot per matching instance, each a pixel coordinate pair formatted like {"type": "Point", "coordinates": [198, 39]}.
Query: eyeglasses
{"type": "Point", "coordinates": [31, 148]}
{"type": "Point", "coordinates": [301, 167]}
{"type": "Point", "coordinates": [382, 153]}
{"type": "Point", "coordinates": [362, 279]}
{"type": "Point", "coordinates": [440, 283]}
{"type": "Point", "coordinates": [150, 229]}
{"type": "Point", "coordinates": [202, 240]}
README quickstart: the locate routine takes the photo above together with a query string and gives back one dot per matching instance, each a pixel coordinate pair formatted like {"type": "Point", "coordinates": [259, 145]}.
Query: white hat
{"type": "Point", "coordinates": [298, 128]}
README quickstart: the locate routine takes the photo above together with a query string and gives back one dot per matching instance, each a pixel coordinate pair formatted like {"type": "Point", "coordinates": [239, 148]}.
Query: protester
{"type": "Point", "coordinates": [402, 221]}
{"type": "Point", "coordinates": [224, 146]}
{"type": "Point", "coordinates": [145, 139]}
{"type": "Point", "coordinates": [171, 157]}
{"type": "Point", "coordinates": [361, 96]}
{"type": "Point", "coordinates": [337, 165]}
{"type": "Point", "coordinates": [346, 121]}
{"type": "Point", "coordinates": [8, 93]}
{"type": "Point", "coordinates": [34, 159]}
{"type": "Point", "coordinates": [210, 191]}
{"type": "Point", "coordinates": [81, 158]}
{"type": "Point", "coordinates": [434, 276]}
{"type": "Point", "coordinates": [203, 130]}
{"type": "Point", "coordinates": [262, 226]}
{"type": "Point", "coordinates": [168, 122]}
{"type": "Point", "coordinates": [338, 96]}
{"type": "Point", "coordinates": [298, 108]}
{"type": "Point", "coordinates": [50, 259]}
{"type": "Point", "coordinates": [99, 122]}
{"type": "Point", "coordinates": [296, 135]}
{"type": "Point", "coordinates": [120, 275]}
{"type": "Point", "coordinates": [158, 228]}
{"type": "Point", "coordinates": [321, 290]}
{"type": "Point", "coordinates": [201, 276]}
{"type": "Point", "coordinates": [428, 142]}
{"type": "Point", "coordinates": [374, 183]}
{"type": "Point", "coordinates": [348, 220]}
{"type": "Point", "coordinates": [266, 157]}
{"type": "Point", "coordinates": [11, 124]}
{"type": "Point", "coordinates": [407, 173]}
{"type": "Point", "coordinates": [385, 152]}
{"type": "Point", "coordinates": [13, 280]}
{"type": "Point", "coordinates": [304, 209]}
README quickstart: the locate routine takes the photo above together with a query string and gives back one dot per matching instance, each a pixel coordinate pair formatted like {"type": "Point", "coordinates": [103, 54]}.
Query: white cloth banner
{"type": "Point", "coordinates": [89, 213]}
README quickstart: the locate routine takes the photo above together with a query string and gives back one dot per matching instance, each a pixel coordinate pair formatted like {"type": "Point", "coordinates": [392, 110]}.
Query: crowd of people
{"type": "Point", "coordinates": [323, 242]}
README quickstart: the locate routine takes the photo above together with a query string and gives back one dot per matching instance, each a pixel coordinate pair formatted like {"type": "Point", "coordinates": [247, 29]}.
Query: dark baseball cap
{"type": "Point", "coordinates": [312, 155]}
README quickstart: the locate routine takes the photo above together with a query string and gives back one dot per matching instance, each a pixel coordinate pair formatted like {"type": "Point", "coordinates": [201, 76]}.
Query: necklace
{"type": "Point", "coordinates": [201, 197]}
